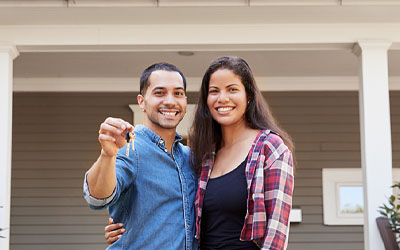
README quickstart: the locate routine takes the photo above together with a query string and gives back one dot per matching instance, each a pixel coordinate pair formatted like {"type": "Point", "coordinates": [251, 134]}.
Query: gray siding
{"type": "Point", "coordinates": [55, 142]}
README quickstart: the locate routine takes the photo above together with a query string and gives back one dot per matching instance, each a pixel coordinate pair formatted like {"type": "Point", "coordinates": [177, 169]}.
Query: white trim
{"type": "Point", "coordinates": [188, 47]}
{"type": "Point", "coordinates": [370, 45]}
{"type": "Point", "coordinates": [197, 3]}
{"type": "Point", "coordinates": [30, 3]}
{"type": "Point", "coordinates": [112, 3]}
{"type": "Point", "coordinates": [7, 54]}
{"type": "Point", "coordinates": [185, 3]}
{"type": "Point", "coordinates": [9, 48]}
{"type": "Point", "coordinates": [69, 84]}
{"type": "Point", "coordinates": [295, 2]}
{"type": "Point", "coordinates": [194, 47]}
{"type": "Point", "coordinates": [235, 35]}
{"type": "Point", "coordinates": [332, 179]}
{"type": "Point", "coordinates": [369, 2]}
{"type": "Point", "coordinates": [77, 3]}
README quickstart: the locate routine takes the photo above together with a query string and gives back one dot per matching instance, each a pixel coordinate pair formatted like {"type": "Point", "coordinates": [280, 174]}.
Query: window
{"type": "Point", "coordinates": [343, 198]}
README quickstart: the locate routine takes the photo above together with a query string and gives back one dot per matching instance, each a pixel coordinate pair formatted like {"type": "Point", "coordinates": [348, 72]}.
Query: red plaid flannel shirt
{"type": "Point", "coordinates": [269, 174]}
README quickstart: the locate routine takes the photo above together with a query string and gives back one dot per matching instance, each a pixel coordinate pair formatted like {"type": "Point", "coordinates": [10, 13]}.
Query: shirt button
{"type": "Point", "coordinates": [188, 225]}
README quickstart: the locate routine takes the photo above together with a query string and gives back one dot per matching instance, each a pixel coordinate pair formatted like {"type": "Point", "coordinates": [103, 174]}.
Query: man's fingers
{"type": "Point", "coordinates": [110, 221]}
{"type": "Point", "coordinates": [107, 129]}
{"type": "Point", "coordinates": [129, 127]}
{"type": "Point", "coordinates": [119, 123]}
{"type": "Point", "coordinates": [103, 137]}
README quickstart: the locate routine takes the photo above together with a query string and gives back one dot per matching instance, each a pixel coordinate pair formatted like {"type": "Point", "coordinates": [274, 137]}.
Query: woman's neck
{"type": "Point", "coordinates": [234, 133]}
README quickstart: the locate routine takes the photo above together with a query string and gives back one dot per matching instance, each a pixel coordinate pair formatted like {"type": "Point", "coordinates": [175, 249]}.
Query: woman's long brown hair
{"type": "Point", "coordinates": [206, 132]}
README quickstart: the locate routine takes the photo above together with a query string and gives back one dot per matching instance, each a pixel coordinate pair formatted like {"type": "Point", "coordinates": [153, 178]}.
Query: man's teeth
{"type": "Point", "coordinates": [169, 113]}
{"type": "Point", "coordinates": [225, 109]}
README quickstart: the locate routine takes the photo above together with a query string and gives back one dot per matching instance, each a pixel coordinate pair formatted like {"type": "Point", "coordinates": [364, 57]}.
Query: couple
{"type": "Point", "coordinates": [234, 191]}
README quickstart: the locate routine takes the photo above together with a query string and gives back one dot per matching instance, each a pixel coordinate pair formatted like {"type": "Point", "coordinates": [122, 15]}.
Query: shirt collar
{"type": "Point", "coordinates": [141, 129]}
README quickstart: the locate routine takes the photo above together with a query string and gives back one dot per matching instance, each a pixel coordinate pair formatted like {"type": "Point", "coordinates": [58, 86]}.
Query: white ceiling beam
{"type": "Point", "coordinates": [30, 3]}
{"type": "Point", "coordinates": [294, 2]}
{"type": "Point", "coordinates": [255, 36]}
{"type": "Point", "coordinates": [369, 2]}
{"type": "Point", "coordinates": [190, 3]}
{"type": "Point", "coordinates": [208, 3]}
{"type": "Point", "coordinates": [112, 3]}
{"type": "Point", "coordinates": [186, 47]}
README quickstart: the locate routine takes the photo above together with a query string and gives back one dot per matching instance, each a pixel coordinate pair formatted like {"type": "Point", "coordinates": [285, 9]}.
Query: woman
{"type": "Point", "coordinates": [244, 161]}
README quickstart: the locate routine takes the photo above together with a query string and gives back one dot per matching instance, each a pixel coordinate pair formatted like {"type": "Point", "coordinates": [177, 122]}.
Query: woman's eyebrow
{"type": "Point", "coordinates": [232, 84]}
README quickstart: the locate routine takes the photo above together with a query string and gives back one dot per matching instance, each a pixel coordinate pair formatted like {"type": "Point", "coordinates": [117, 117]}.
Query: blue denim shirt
{"type": "Point", "coordinates": [154, 195]}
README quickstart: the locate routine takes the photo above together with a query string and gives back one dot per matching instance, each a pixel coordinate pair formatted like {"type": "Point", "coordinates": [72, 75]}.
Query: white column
{"type": "Point", "coordinates": [7, 54]}
{"type": "Point", "coordinates": [376, 148]}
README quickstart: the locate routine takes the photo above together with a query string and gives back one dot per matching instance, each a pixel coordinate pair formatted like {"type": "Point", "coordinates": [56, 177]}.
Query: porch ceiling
{"type": "Point", "coordinates": [131, 64]}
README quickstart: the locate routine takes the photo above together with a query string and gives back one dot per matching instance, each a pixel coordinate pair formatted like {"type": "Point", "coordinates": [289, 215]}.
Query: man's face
{"type": "Point", "coordinates": [164, 101]}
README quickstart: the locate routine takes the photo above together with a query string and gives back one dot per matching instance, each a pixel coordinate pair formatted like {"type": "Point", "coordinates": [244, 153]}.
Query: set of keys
{"type": "Point", "coordinates": [130, 138]}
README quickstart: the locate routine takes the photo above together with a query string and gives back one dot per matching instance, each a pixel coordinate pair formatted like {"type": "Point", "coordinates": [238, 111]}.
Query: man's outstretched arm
{"type": "Point", "coordinates": [101, 177]}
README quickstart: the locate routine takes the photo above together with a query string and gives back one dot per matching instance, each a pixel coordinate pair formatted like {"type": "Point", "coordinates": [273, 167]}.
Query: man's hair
{"type": "Point", "coordinates": [144, 78]}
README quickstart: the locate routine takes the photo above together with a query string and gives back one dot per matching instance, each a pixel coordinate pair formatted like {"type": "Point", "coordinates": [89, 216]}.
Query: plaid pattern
{"type": "Point", "coordinates": [269, 174]}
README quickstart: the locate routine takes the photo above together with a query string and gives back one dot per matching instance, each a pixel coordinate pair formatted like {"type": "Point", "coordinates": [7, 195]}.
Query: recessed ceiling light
{"type": "Point", "coordinates": [186, 53]}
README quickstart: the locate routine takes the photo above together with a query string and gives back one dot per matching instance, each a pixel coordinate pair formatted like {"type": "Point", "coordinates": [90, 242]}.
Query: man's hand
{"type": "Point", "coordinates": [112, 135]}
{"type": "Point", "coordinates": [112, 232]}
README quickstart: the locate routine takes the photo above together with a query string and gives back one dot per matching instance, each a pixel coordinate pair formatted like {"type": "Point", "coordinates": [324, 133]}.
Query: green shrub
{"type": "Point", "coordinates": [392, 211]}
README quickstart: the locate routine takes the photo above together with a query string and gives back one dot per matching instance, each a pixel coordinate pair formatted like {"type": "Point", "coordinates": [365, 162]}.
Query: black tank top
{"type": "Point", "coordinates": [224, 210]}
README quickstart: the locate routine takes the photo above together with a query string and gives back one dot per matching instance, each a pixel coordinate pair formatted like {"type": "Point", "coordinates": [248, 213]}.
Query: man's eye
{"type": "Point", "coordinates": [158, 93]}
{"type": "Point", "coordinates": [179, 93]}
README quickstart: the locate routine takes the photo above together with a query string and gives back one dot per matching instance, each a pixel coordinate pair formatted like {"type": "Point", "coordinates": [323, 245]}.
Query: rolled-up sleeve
{"type": "Point", "coordinates": [95, 203]}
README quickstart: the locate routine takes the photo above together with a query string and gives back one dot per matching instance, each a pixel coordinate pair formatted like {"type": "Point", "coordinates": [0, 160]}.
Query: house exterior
{"type": "Point", "coordinates": [330, 69]}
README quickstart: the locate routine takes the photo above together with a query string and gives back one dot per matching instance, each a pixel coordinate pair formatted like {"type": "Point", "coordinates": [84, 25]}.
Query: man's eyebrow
{"type": "Point", "coordinates": [158, 88]}
{"type": "Point", "coordinates": [179, 88]}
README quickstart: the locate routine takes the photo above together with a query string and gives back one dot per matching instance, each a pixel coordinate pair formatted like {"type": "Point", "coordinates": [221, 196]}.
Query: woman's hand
{"type": "Point", "coordinates": [112, 232]}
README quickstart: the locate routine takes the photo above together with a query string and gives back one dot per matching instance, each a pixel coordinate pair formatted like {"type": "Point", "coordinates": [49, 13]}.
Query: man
{"type": "Point", "coordinates": [152, 190]}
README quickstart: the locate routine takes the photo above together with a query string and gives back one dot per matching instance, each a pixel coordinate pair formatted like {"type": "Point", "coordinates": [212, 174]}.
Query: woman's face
{"type": "Point", "coordinates": [227, 99]}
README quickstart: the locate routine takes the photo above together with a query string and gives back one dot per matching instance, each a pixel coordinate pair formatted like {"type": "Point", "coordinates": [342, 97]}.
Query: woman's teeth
{"type": "Point", "coordinates": [225, 109]}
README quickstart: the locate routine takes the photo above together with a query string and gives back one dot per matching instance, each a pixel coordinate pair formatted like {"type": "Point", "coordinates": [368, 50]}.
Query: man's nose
{"type": "Point", "coordinates": [170, 99]}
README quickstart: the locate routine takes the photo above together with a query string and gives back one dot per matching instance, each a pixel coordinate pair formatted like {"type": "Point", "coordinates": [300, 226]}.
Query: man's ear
{"type": "Point", "coordinates": [140, 100]}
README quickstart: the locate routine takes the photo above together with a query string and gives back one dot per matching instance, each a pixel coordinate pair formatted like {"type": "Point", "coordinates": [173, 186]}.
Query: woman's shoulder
{"type": "Point", "coordinates": [271, 142]}
{"type": "Point", "coordinates": [270, 136]}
